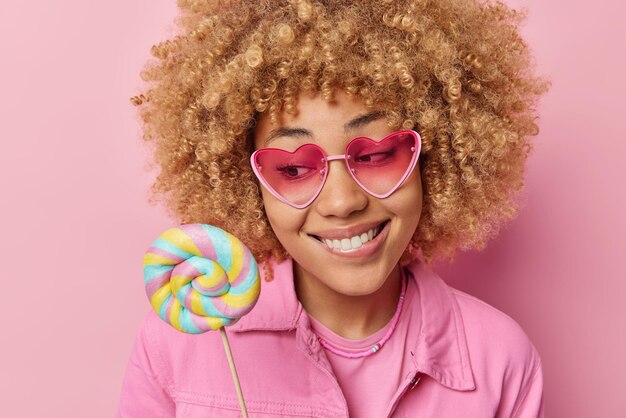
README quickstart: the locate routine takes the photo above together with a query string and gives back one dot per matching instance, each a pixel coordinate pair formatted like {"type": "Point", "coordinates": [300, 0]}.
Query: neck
{"type": "Point", "coordinates": [352, 317]}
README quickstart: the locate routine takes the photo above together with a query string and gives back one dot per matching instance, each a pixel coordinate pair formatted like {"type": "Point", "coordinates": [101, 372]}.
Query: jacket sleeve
{"type": "Point", "coordinates": [145, 392]}
{"type": "Point", "coordinates": [529, 403]}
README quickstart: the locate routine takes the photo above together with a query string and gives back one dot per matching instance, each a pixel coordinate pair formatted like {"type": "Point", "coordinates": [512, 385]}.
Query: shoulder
{"type": "Point", "coordinates": [165, 337]}
{"type": "Point", "coordinates": [477, 350]}
{"type": "Point", "coordinates": [485, 330]}
{"type": "Point", "coordinates": [490, 324]}
{"type": "Point", "coordinates": [154, 330]}
{"type": "Point", "coordinates": [496, 342]}
{"type": "Point", "coordinates": [169, 347]}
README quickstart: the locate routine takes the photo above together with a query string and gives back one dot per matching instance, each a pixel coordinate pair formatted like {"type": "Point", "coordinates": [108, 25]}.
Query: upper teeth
{"type": "Point", "coordinates": [347, 244]}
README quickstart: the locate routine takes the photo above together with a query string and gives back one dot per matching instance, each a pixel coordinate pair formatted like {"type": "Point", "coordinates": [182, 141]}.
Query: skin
{"type": "Point", "coordinates": [352, 297]}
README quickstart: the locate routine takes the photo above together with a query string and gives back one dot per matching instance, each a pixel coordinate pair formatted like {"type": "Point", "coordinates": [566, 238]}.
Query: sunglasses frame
{"type": "Point", "coordinates": [327, 158]}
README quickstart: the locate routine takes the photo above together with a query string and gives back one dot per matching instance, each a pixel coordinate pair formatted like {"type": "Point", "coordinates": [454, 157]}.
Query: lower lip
{"type": "Point", "coordinates": [365, 250]}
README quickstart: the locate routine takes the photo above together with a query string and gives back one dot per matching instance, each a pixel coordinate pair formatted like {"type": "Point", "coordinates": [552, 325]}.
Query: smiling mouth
{"type": "Point", "coordinates": [352, 243]}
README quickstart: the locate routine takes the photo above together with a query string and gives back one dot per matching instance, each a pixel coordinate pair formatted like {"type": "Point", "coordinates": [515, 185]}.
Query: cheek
{"type": "Point", "coordinates": [407, 203]}
{"type": "Point", "coordinates": [284, 220]}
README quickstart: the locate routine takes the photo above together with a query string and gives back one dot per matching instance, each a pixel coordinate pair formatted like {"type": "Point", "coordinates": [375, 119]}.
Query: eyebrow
{"type": "Point", "coordinates": [348, 127]}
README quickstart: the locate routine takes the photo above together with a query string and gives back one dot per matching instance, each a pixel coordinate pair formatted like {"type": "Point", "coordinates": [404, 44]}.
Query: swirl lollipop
{"type": "Point", "coordinates": [200, 278]}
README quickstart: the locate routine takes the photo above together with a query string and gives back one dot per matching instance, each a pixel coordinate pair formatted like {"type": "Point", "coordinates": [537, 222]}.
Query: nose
{"type": "Point", "coordinates": [341, 195]}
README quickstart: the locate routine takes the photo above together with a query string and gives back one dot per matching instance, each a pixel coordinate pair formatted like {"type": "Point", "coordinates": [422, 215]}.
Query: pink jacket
{"type": "Point", "coordinates": [471, 360]}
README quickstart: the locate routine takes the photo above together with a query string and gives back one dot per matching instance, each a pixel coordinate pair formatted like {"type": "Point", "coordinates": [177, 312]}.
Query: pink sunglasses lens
{"type": "Point", "coordinates": [295, 177]}
{"type": "Point", "coordinates": [380, 167]}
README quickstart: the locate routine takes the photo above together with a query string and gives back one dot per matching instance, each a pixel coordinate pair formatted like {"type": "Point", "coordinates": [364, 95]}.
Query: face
{"type": "Point", "coordinates": [342, 210]}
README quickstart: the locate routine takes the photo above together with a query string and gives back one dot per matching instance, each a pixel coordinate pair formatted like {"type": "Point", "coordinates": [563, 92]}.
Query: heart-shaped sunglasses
{"type": "Point", "coordinates": [379, 167]}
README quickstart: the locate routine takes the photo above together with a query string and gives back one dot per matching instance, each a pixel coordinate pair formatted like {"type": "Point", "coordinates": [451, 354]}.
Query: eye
{"type": "Point", "coordinates": [294, 172]}
{"type": "Point", "coordinates": [376, 157]}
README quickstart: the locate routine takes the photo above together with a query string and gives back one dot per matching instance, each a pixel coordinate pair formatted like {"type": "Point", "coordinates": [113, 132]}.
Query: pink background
{"type": "Point", "coordinates": [76, 220]}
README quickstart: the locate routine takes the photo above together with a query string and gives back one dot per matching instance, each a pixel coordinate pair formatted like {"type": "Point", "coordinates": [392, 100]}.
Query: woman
{"type": "Point", "coordinates": [429, 105]}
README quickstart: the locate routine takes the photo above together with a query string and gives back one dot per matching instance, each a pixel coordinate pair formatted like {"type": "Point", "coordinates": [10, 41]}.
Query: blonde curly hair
{"type": "Point", "coordinates": [457, 71]}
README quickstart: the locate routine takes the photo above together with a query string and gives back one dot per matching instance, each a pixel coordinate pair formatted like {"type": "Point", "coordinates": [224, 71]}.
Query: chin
{"type": "Point", "coordinates": [350, 285]}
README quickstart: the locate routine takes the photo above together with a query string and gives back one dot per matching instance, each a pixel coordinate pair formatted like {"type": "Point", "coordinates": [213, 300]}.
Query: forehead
{"type": "Point", "coordinates": [344, 116]}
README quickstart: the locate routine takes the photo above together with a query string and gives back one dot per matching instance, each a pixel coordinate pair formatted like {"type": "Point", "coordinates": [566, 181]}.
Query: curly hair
{"type": "Point", "coordinates": [457, 71]}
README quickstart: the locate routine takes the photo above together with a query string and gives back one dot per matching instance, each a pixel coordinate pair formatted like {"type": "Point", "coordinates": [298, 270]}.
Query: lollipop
{"type": "Point", "coordinates": [200, 278]}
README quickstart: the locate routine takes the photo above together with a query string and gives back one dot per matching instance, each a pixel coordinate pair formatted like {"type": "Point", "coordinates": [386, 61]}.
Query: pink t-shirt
{"type": "Point", "coordinates": [369, 383]}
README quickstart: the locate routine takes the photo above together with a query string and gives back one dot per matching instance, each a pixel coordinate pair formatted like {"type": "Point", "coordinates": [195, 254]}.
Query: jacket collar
{"type": "Point", "coordinates": [441, 348]}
